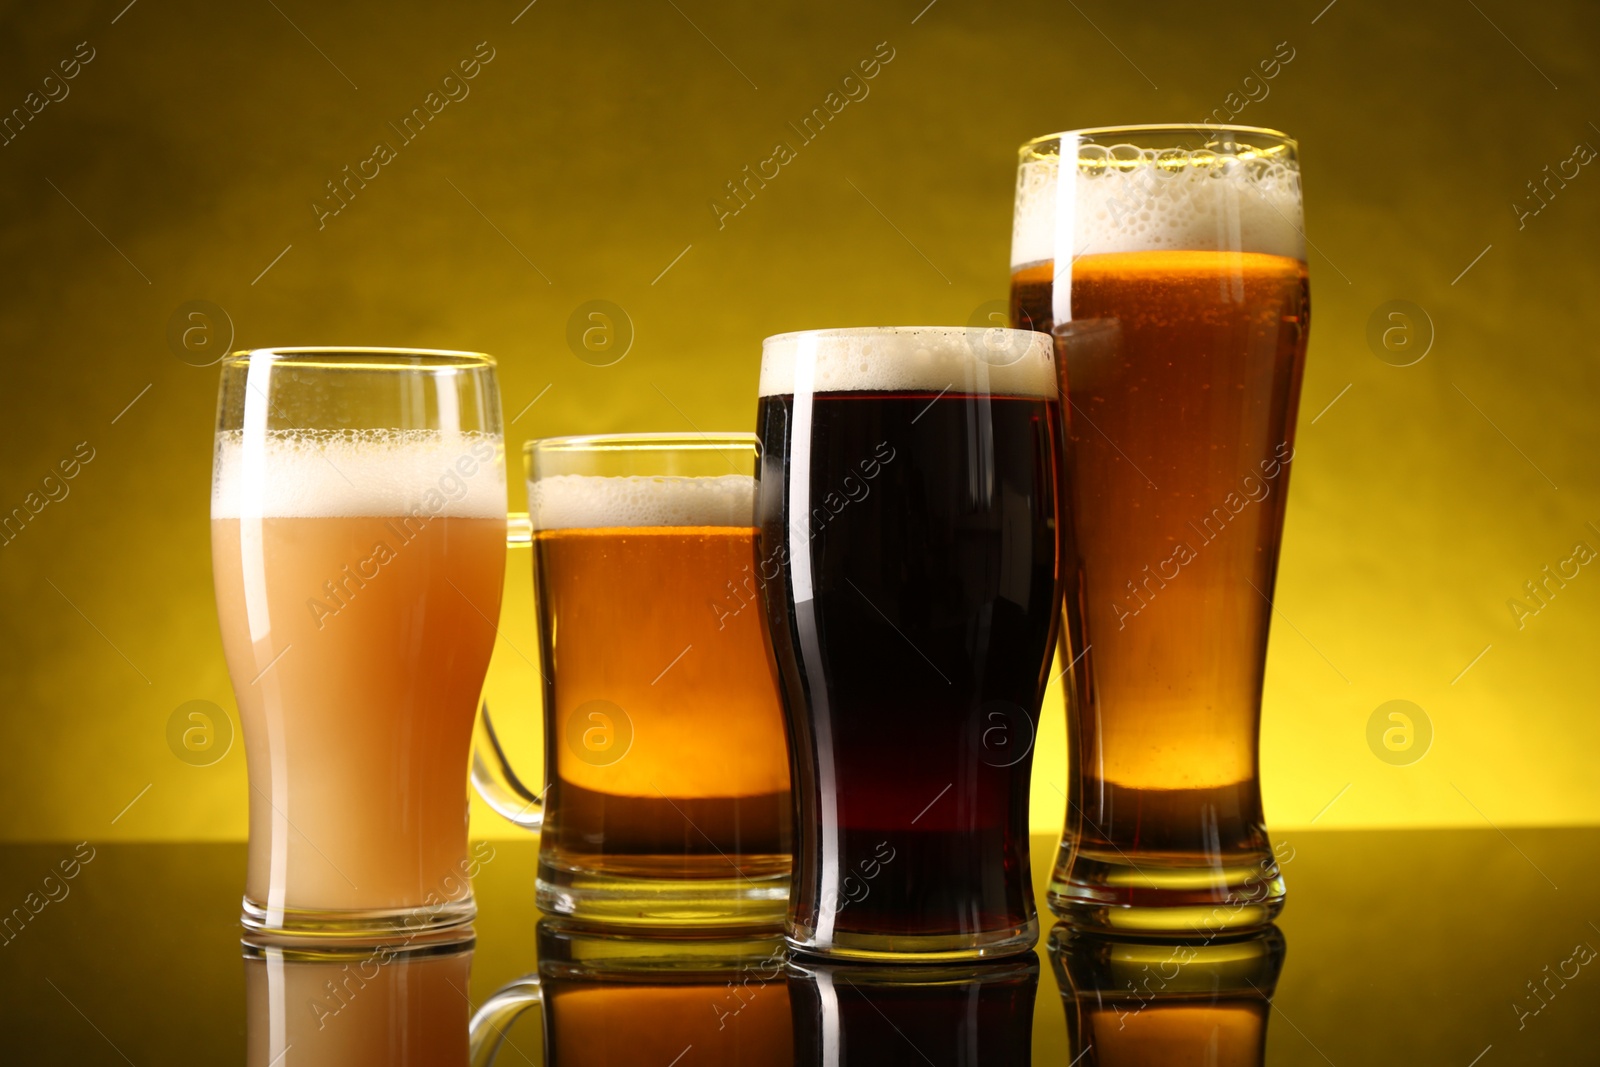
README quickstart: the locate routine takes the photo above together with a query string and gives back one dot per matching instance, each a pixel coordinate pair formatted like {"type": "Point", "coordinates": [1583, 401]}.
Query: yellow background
{"type": "Point", "coordinates": [199, 135]}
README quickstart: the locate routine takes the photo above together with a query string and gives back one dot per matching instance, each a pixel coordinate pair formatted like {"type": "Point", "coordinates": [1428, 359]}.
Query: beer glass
{"type": "Point", "coordinates": [647, 998]}
{"type": "Point", "coordinates": [357, 541]}
{"type": "Point", "coordinates": [950, 1015]}
{"type": "Point", "coordinates": [344, 1008]}
{"type": "Point", "coordinates": [1134, 1002]}
{"type": "Point", "coordinates": [668, 795]}
{"type": "Point", "coordinates": [908, 509]}
{"type": "Point", "coordinates": [1182, 246]}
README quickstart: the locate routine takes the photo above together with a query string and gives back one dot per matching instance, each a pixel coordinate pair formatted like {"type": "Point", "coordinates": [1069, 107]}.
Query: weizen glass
{"type": "Point", "coordinates": [358, 549]}
{"type": "Point", "coordinates": [668, 782]}
{"type": "Point", "coordinates": [908, 546]}
{"type": "Point", "coordinates": [1181, 250]}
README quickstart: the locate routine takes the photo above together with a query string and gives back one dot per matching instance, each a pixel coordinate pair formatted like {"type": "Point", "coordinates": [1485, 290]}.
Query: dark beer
{"type": "Point", "coordinates": [908, 555]}
{"type": "Point", "coordinates": [860, 1015]}
{"type": "Point", "coordinates": [1188, 301]}
{"type": "Point", "coordinates": [1131, 1003]}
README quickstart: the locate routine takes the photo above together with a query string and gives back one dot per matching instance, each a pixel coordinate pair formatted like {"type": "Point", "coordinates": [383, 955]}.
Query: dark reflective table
{"type": "Point", "coordinates": [1457, 947]}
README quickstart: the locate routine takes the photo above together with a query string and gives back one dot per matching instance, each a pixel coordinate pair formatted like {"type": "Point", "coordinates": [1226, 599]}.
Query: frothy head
{"type": "Point", "coordinates": [592, 502]}
{"type": "Point", "coordinates": [322, 474]}
{"type": "Point", "coordinates": [909, 358]}
{"type": "Point", "coordinates": [1203, 193]}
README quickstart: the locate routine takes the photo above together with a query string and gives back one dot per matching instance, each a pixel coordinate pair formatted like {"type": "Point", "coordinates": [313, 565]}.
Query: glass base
{"type": "Point", "coordinates": [1166, 896]}
{"type": "Point", "coordinates": [628, 900]}
{"type": "Point", "coordinates": [445, 923]}
{"type": "Point", "coordinates": [923, 949]}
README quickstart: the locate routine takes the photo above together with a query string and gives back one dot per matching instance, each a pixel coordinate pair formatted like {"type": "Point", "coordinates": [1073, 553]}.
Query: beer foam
{"type": "Point", "coordinates": [589, 502]}
{"type": "Point", "coordinates": [1129, 199]}
{"type": "Point", "coordinates": [329, 474]}
{"type": "Point", "coordinates": [910, 358]}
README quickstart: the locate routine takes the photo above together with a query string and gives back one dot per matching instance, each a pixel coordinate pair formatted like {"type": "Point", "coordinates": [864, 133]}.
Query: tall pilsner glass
{"type": "Point", "coordinates": [358, 547]}
{"type": "Point", "coordinates": [1180, 250]}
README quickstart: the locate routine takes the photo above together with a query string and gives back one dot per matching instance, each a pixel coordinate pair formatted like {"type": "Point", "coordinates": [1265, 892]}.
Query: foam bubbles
{"type": "Point", "coordinates": [321, 474]}
{"type": "Point", "coordinates": [589, 502]}
{"type": "Point", "coordinates": [1128, 199]}
{"type": "Point", "coordinates": [909, 358]}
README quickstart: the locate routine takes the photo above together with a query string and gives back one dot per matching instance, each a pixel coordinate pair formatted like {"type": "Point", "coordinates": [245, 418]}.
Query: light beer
{"type": "Point", "coordinates": [664, 739]}
{"type": "Point", "coordinates": [357, 1010]}
{"type": "Point", "coordinates": [1187, 259]}
{"type": "Point", "coordinates": [358, 581]}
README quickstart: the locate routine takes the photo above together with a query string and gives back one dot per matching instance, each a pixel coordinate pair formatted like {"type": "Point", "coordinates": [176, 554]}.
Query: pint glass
{"type": "Point", "coordinates": [668, 784]}
{"type": "Point", "coordinates": [907, 509]}
{"type": "Point", "coordinates": [1181, 250]}
{"type": "Point", "coordinates": [357, 541]}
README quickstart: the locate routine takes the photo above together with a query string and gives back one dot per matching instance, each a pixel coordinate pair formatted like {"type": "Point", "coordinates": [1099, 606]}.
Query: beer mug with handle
{"type": "Point", "coordinates": [667, 796]}
{"type": "Point", "coordinates": [613, 997]}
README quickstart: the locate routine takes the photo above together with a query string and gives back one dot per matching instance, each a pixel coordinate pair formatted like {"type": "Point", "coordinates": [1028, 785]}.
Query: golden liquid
{"type": "Point", "coordinates": [355, 1013]}
{"type": "Point", "coordinates": [663, 623]}
{"type": "Point", "coordinates": [1204, 1034]}
{"type": "Point", "coordinates": [357, 716]}
{"type": "Point", "coordinates": [734, 1024]}
{"type": "Point", "coordinates": [1201, 394]}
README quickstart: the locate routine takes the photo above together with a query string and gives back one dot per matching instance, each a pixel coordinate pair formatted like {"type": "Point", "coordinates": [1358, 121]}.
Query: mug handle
{"type": "Point", "coordinates": [492, 774]}
{"type": "Point", "coordinates": [487, 1030]}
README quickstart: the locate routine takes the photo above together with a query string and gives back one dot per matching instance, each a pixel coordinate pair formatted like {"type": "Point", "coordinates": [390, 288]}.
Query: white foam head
{"type": "Point", "coordinates": [1122, 198]}
{"type": "Point", "coordinates": [316, 474]}
{"type": "Point", "coordinates": [591, 502]}
{"type": "Point", "coordinates": [909, 358]}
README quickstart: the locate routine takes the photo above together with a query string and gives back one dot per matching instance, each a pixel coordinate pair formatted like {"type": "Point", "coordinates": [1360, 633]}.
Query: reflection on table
{"type": "Point", "coordinates": [886, 1015]}
{"type": "Point", "coordinates": [349, 1008]}
{"type": "Point", "coordinates": [1170, 1004]}
{"type": "Point", "coordinates": [613, 998]}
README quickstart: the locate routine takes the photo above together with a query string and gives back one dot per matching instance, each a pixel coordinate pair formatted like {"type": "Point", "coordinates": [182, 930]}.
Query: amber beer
{"type": "Point", "coordinates": [656, 997]}
{"type": "Point", "coordinates": [1175, 260]}
{"type": "Point", "coordinates": [669, 783]}
{"type": "Point", "coordinates": [1130, 1003]}
{"type": "Point", "coordinates": [358, 579]}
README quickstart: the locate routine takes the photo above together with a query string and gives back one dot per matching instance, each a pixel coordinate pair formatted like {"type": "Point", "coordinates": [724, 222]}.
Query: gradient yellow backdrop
{"type": "Point", "coordinates": [182, 162]}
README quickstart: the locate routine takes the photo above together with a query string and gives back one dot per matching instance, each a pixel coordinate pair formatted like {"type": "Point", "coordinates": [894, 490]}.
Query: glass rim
{"type": "Point", "coordinates": [869, 331]}
{"type": "Point", "coordinates": [675, 441]}
{"type": "Point", "coordinates": [359, 357]}
{"type": "Point", "coordinates": [1162, 127]}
